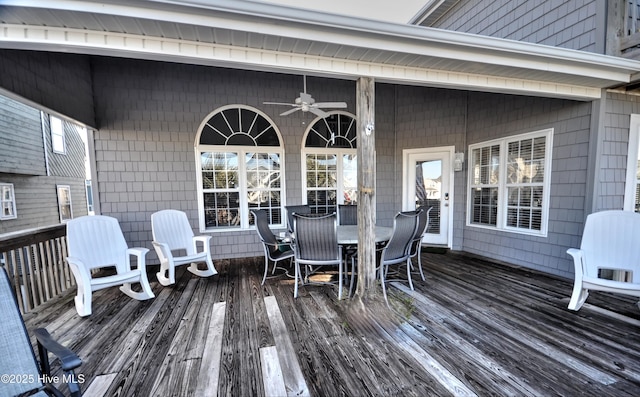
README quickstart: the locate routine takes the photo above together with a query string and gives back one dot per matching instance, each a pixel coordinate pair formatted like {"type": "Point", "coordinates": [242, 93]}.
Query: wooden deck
{"type": "Point", "coordinates": [473, 328]}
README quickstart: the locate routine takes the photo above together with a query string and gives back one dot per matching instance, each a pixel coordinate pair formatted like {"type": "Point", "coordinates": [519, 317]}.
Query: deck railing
{"type": "Point", "coordinates": [35, 263]}
{"type": "Point", "coordinates": [630, 35]}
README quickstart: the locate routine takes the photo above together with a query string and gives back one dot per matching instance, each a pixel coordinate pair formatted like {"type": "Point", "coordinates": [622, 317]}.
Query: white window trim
{"type": "Point", "coordinates": [339, 152]}
{"type": "Point", "coordinates": [632, 163]}
{"type": "Point", "coordinates": [502, 184]}
{"type": "Point", "coordinates": [67, 187]}
{"type": "Point", "coordinates": [60, 133]}
{"type": "Point", "coordinates": [243, 190]}
{"type": "Point", "coordinates": [13, 202]}
{"type": "Point", "coordinates": [241, 150]}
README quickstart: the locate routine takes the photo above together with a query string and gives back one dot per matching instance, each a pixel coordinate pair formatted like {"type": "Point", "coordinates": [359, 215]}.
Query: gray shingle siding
{"type": "Point", "coordinates": [70, 163]}
{"type": "Point", "coordinates": [24, 165]}
{"type": "Point", "coordinates": [60, 82]}
{"type": "Point", "coordinates": [568, 24]}
{"type": "Point", "coordinates": [22, 150]}
{"type": "Point", "coordinates": [149, 114]}
{"type": "Point", "coordinates": [611, 174]}
{"type": "Point", "coordinates": [494, 116]}
{"type": "Point", "coordinates": [37, 202]}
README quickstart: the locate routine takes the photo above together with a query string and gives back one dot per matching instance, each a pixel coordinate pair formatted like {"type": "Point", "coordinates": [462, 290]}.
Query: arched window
{"type": "Point", "coordinates": [240, 167]}
{"type": "Point", "coordinates": [330, 162]}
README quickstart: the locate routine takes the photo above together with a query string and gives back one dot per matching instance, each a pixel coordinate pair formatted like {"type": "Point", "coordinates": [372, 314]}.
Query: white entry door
{"type": "Point", "coordinates": [428, 182]}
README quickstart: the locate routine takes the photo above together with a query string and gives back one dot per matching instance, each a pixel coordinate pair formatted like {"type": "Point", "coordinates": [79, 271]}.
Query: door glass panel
{"type": "Point", "coordinates": [429, 191]}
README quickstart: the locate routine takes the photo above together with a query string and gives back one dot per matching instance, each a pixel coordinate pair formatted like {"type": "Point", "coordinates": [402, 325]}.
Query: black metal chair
{"type": "Point", "coordinates": [416, 243]}
{"type": "Point", "coordinates": [295, 209]}
{"type": "Point", "coordinates": [274, 250]}
{"type": "Point", "coordinates": [397, 250]}
{"type": "Point", "coordinates": [18, 365]}
{"type": "Point", "coordinates": [316, 245]}
{"type": "Point", "coordinates": [347, 214]}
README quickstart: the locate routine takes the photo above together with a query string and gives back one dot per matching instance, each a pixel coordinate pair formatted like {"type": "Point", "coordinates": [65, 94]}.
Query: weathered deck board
{"type": "Point", "coordinates": [473, 327]}
{"type": "Point", "coordinates": [292, 375]}
{"type": "Point", "coordinates": [272, 377]}
{"type": "Point", "coordinates": [209, 373]}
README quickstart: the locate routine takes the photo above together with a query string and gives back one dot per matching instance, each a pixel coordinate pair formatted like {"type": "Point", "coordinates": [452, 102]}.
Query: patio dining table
{"type": "Point", "coordinates": [348, 234]}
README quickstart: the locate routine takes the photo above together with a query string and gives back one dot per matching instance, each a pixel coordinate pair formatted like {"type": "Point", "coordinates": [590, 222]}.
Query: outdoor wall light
{"type": "Point", "coordinates": [458, 160]}
{"type": "Point", "coordinates": [368, 129]}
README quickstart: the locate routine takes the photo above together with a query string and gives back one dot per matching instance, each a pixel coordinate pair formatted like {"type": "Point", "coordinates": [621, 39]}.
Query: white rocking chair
{"type": "Point", "coordinates": [96, 242]}
{"type": "Point", "coordinates": [609, 246]}
{"type": "Point", "coordinates": [172, 233]}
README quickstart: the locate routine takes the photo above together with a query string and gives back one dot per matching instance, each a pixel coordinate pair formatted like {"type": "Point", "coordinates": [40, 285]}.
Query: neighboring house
{"type": "Point", "coordinates": [42, 172]}
{"type": "Point", "coordinates": [528, 139]}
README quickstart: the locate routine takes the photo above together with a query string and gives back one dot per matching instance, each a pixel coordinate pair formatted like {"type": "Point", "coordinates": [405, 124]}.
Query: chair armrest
{"type": "Point", "coordinates": [68, 359]}
{"type": "Point", "coordinates": [578, 261]}
{"type": "Point", "coordinates": [79, 270]}
{"type": "Point", "coordinates": [140, 253]}
{"type": "Point", "coordinates": [205, 240]}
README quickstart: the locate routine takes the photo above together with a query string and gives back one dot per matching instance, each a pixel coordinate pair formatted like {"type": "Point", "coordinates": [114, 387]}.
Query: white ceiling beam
{"type": "Point", "coordinates": [163, 49]}
{"type": "Point", "coordinates": [280, 21]}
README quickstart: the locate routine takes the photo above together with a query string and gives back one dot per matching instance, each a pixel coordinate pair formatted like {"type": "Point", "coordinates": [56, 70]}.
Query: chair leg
{"type": "Point", "coordinates": [83, 300]}
{"type": "Point", "coordinates": [420, 264]}
{"type": "Point", "coordinates": [210, 271]}
{"type": "Point", "coordinates": [409, 273]}
{"type": "Point", "coordinates": [165, 268]}
{"type": "Point", "coordinates": [297, 275]}
{"type": "Point", "coordinates": [340, 276]}
{"type": "Point", "coordinates": [353, 271]}
{"type": "Point", "coordinates": [579, 296]}
{"type": "Point", "coordinates": [144, 294]}
{"type": "Point", "coordinates": [384, 289]}
{"type": "Point", "coordinates": [266, 269]}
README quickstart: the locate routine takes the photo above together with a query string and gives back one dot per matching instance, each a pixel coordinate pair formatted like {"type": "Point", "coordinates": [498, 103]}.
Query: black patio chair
{"type": "Point", "coordinates": [274, 249]}
{"type": "Point", "coordinates": [397, 250]}
{"type": "Point", "coordinates": [22, 376]}
{"type": "Point", "coordinates": [416, 243]}
{"type": "Point", "coordinates": [316, 246]}
{"type": "Point", "coordinates": [295, 209]}
{"type": "Point", "coordinates": [347, 214]}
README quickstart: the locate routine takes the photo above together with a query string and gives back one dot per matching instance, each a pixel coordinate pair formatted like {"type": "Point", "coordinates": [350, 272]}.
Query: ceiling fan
{"type": "Point", "coordinates": [306, 103]}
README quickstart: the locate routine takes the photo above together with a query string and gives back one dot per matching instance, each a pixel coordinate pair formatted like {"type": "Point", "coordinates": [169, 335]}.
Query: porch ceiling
{"type": "Point", "coordinates": [259, 36]}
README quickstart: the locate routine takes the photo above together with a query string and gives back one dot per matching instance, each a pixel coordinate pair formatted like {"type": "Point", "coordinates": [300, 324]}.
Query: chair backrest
{"type": "Point", "coordinates": [610, 241]}
{"type": "Point", "coordinates": [423, 220]}
{"type": "Point", "coordinates": [316, 237]}
{"type": "Point", "coordinates": [404, 229]}
{"type": "Point", "coordinates": [348, 214]}
{"type": "Point", "coordinates": [97, 241]}
{"type": "Point", "coordinates": [172, 227]}
{"type": "Point", "coordinates": [295, 209]}
{"type": "Point", "coordinates": [264, 231]}
{"type": "Point", "coordinates": [17, 355]}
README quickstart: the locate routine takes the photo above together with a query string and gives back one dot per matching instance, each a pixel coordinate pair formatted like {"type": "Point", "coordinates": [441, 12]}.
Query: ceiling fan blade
{"type": "Point", "coordinates": [318, 112]}
{"type": "Point", "coordinates": [278, 103]}
{"type": "Point", "coordinates": [336, 105]}
{"type": "Point", "coordinates": [288, 112]}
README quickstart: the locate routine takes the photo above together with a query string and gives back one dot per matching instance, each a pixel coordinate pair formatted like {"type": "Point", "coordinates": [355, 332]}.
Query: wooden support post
{"type": "Point", "coordinates": [365, 106]}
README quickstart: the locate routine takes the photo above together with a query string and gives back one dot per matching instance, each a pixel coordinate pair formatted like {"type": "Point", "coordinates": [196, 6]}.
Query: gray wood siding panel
{"type": "Point", "coordinates": [71, 163]}
{"type": "Point", "coordinates": [22, 150]}
{"type": "Point", "coordinates": [37, 202]}
{"type": "Point", "coordinates": [493, 116]}
{"type": "Point", "coordinates": [149, 115]}
{"type": "Point", "coordinates": [611, 175]}
{"type": "Point", "coordinates": [426, 118]}
{"type": "Point", "coordinates": [567, 24]}
{"type": "Point", "coordinates": [61, 82]}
